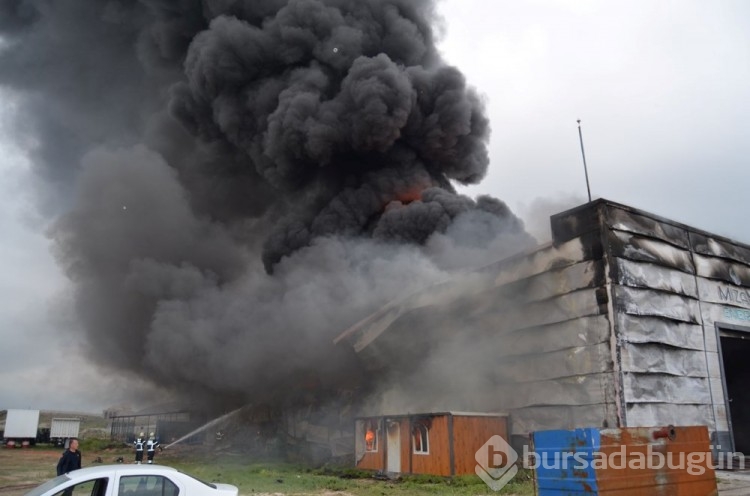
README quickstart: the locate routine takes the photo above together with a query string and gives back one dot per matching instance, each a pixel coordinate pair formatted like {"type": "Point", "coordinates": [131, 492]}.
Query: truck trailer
{"type": "Point", "coordinates": [21, 427]}
{"type": "Point", "coordinates": [62, 429]}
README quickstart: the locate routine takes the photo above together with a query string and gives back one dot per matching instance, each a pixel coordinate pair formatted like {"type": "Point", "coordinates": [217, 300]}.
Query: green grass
{"type": "Point", "coordinates": [290, 479]}
{"type": "Point", "coordinates": [88, 445]}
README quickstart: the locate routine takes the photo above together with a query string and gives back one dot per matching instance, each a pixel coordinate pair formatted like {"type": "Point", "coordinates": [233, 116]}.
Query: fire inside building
{"type": "Point", "coordinates": [626, 319]}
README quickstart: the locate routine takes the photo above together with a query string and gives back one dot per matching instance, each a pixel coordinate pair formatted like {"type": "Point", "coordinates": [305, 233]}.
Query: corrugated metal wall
{"type": "Point", "coordinates": [665, 380]}
{"type": "Point", "coordinates": [672, 285]}
{"type": "Point", "coordinates": [549, 326]}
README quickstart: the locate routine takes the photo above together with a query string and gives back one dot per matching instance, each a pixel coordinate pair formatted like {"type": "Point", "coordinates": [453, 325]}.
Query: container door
{"type": "Point", "coordinates": [393, 450]}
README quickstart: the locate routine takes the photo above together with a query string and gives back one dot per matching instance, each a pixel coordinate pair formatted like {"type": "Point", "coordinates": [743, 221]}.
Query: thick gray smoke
{"type": "Point", "coordinates": [236, 182]}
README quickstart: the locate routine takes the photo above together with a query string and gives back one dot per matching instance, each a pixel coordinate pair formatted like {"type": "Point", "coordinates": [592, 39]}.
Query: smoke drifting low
{"type": "Point", "coordinates": [240, 181]}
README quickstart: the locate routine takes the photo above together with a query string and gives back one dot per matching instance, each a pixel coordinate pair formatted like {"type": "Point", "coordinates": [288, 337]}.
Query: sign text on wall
{"type": "Point", "coordinates": [734, 295]}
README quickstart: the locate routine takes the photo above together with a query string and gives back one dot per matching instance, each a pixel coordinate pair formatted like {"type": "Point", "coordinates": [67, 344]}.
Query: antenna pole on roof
{"type": "Point", "coordinates": [583, 154]}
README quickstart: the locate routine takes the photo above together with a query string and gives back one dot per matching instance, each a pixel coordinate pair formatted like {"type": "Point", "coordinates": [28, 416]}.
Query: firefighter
{"type": "Point", "coordinates": [151, 446]}
{"type": "Point", "coordinates": [139, 443]}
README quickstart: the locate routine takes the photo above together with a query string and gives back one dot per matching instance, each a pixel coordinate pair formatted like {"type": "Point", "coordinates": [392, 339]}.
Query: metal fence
{"type": "Point", "coordinates": [125, 428]}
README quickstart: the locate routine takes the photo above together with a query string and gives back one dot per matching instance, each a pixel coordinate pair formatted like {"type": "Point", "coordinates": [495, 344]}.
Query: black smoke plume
{"type": "Point", "coordinates": [236, 182]}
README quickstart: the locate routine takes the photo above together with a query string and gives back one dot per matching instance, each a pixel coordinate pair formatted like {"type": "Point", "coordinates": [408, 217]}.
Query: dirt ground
{"type": "Point", "coordinates": [22, 469]}
{"type": "Point", "coordinates": [734, 483]}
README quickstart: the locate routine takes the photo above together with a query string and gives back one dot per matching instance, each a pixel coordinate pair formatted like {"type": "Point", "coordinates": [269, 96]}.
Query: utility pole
{"type": "Point", "coordinates": [583, 154]}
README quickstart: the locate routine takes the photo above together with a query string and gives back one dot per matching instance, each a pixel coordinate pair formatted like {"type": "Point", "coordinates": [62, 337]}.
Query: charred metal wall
{"type": "Point", "coordinates": [671, 286]}
{"type": "Point", "coordinates": [548, 322]}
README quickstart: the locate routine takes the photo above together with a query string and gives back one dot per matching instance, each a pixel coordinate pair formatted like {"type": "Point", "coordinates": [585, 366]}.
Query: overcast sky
{"type": "Point", "coordinates": [661, 89]}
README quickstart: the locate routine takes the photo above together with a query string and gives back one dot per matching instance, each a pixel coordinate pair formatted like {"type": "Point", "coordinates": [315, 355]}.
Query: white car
{"type": "Point", "coordinates": [130, 480]}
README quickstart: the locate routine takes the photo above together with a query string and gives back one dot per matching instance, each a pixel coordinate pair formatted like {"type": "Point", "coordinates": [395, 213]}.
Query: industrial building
{"type": "Point", "coordinates": [626, 319]}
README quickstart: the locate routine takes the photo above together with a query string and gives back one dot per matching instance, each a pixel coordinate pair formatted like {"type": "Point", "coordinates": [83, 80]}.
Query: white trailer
{"type": "Point", "coordinates": [21, 427]}
{"type": "Point", "coordinates": [64, 428]}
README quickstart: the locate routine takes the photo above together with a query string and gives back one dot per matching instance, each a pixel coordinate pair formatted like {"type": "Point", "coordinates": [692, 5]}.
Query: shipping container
{"type": "Point", "coordinates": [442, 444]}
{"type": "Point", "coordinates": [638, 461]}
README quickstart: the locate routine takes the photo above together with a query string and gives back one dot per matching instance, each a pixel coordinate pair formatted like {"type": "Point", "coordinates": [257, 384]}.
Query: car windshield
{"type": "Point", "coordinates": [60, 479]}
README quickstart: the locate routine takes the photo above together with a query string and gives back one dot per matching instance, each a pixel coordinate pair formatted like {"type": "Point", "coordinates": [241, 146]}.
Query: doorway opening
{"type": "Point", "coordinates": [735, 350]}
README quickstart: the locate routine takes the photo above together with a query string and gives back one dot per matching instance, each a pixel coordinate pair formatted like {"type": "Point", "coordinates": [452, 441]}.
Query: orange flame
{"type": "Point", "coordinates": [412, 194]}
{"type": "Point", "coordinates": [370, 439]}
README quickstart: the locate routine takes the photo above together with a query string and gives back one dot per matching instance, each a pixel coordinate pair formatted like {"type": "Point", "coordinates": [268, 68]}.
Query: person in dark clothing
{"type": "Point", "coordinates": [70, 459]}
